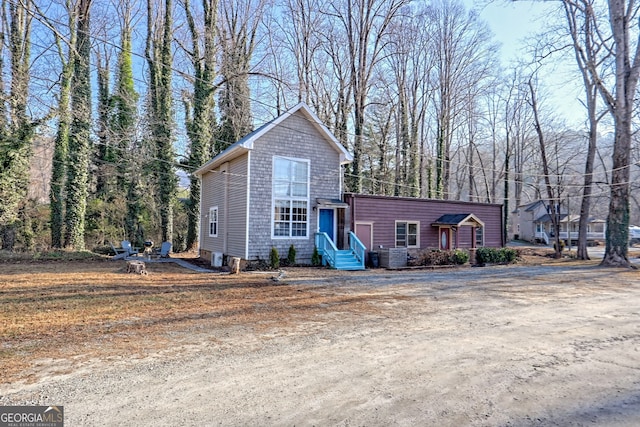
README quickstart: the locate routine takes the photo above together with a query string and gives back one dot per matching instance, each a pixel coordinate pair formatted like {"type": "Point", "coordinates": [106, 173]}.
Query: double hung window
{"type": "Point", "coordinates": [290, 198]}
{"type": "Point", "coordinates": [407, 234]}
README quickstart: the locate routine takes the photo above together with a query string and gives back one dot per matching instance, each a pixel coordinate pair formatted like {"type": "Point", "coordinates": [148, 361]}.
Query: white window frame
{"type": "Point", "coordinates": [406, 223]}
{"type": "Point", "coordinates": [301, 201]}
{"type": "Point", "coordinates": [214, 220]}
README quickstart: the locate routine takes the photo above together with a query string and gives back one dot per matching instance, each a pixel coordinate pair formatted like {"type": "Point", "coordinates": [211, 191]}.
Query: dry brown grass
{"type": "Point", "coordinates": [76, 309]}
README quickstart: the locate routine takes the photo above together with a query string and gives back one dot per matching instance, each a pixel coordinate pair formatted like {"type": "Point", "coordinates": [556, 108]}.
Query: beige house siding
{"type": "Point", "coordinates": [236, 224]}
{"type": "Point", "coordinates": [295, 138]}
{"type": "Point", "coordinates": [217, 187]}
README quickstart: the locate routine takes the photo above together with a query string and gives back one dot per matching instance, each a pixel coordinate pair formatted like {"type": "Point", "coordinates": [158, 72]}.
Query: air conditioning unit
{"type": "Point", "coordinates": [216, 259]}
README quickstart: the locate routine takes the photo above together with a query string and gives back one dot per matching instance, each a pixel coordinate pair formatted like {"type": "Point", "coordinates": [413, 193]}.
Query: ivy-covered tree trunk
{"type": "Point", "coordinates": [200, 127]}
{"type": "Point", "coordinates": [79, 137]}
{"type": "Point", "coordinates": [105, 160]}
{"type": "Point", "coordinates": [123, 127]}
{"type": "Point", "coordinates": [17, 133]}
{"type": "Point", "coordinates": [158, 54]}
{"type": "Point", "coordinates": [61, 146]}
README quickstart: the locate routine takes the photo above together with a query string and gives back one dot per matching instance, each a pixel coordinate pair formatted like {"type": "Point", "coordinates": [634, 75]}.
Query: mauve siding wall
{"type": "Point", "coordinates": [218, 189]}
{"type": "Point", "coordinates": [384, 211]}
{"type": "Point", "coordinates": [295, 137]}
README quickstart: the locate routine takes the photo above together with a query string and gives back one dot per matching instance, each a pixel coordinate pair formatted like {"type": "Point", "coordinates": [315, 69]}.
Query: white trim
{"type": "Point", "coordinates": [201, 231]}
{"type": "Point", "coordinates": [213, 209]}
{"type": "Point", "coordinates": [370, 224]}
{"type": "Point", "coordinates": [406, 222]}
{"type": "Point", "coordinates": [247, 208]}
{"type": "Point", "coordinates": [292, 199]}
{"type": "Point", "coordinates": [335, 220]}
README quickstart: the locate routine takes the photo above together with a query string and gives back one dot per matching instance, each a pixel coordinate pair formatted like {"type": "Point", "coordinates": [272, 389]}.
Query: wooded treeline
{"type": "Point", "coordinates": [132, 92]}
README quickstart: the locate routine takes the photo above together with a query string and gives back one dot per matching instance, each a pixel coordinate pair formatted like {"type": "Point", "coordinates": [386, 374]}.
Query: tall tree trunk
{"type": "Point", "coordinates": [200, 128]}
{"type": "Point", "coordinates": [158, 55]}
{"type": "Point", "coordinates": [123, 128]}
{"type": "Point", "coordinates": [553, 203]}
{"type": "Point", "coordinates": [16, 134]}
{"type": "Point", "coordinates": [61, 145]}
{"type": "Point", "coordinates": [627, 69]}
{"type": "Point", "coordinates": [79, 149]}
{"type": "Point", "coordinates": [582, 26]}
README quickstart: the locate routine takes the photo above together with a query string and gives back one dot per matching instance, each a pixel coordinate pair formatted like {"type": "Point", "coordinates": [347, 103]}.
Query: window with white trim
{"type": "Point", "coordinates": [407, 234]}
{"type": "Point", "coordinates": [213, 222]}
{"type": "Point", "coordinates": [290, 198]}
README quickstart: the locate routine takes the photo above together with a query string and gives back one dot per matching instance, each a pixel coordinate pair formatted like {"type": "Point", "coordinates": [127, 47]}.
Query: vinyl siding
{"type": "Point", "coordinates": [384, 211]}
{"type": "Point", "coordinates": [296, 138]}
{"type": "Point", "coordinates": [237, 213]}
{"type": "Point", "coordinates": [226, 188]}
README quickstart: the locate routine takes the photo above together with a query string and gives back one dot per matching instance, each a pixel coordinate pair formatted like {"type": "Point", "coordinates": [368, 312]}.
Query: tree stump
{"type": "Point", "coordinates": [137, 267]}
{"type": "Point", "coordinates": [235, 265]}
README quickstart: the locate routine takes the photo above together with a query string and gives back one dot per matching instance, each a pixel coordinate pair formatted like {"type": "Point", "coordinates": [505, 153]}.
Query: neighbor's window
{"type": "Point", "coordinates": [407, 234]}
{"type": "Point", "coordinates": [290, 197]}
{"type": "Point", "coordinates": [213, 222]}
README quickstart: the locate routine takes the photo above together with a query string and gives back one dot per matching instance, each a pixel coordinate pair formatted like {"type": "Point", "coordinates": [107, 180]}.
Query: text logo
{"type": "Point", "coordinates": [31, 416]}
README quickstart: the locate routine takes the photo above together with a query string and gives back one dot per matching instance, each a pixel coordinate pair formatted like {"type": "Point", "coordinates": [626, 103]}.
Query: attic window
{"type": "Point", "coordinates": [290, 198]}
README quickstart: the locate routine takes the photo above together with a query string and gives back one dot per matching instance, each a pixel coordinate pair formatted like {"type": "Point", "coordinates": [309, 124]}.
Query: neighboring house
{"type": "Point", "coordinates": [394, 222]}
{"type": "Point", "coordinates": [276, 187]}
{"type": "Point", "coordinates": [533, 222]}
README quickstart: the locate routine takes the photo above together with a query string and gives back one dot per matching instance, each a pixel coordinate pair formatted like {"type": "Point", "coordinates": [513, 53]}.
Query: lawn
{"type": "Point", "coordinates": [93, 308]}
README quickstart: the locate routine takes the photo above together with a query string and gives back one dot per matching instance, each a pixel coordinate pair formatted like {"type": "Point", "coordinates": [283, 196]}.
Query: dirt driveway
{"type": "Point", "coordinates": [496, 346]}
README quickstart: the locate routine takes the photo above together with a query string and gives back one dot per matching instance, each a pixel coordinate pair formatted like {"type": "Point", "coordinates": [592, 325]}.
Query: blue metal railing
{"type": "Point", "coordinates": [326, 248]}
{"type": "Point", "coordinates": [357, 247]}
{"type": "Point", "coordinates": [329, 252]}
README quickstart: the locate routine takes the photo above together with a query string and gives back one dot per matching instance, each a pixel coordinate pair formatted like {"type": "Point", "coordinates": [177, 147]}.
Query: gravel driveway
{"type": "Point", "coordinates": [494, 346]}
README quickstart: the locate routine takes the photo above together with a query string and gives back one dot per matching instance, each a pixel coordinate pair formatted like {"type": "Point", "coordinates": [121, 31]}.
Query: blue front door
{"type": "Point", "coordinates": [326, 222]}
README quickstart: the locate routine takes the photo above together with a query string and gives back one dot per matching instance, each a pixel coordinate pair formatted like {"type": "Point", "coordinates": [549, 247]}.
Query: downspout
{"type": "Point", "coordinates": [200, 227]}
{"type": "Point", "coordinates": [225, 171]}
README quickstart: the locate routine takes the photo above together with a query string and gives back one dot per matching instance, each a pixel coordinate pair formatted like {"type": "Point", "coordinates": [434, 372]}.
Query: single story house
{"type": "Point", "coordinates": [393, 222]}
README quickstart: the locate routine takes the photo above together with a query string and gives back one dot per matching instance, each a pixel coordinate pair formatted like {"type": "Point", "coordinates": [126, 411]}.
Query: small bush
{"type": "Point", "coordinates": [291, 255]}
{"type": "Point", "coordinates": [316, 259]}
{"type": "Point", "coordinates": [438, 257]}
{"type": "Point", "coordinates": [274, 259]}
{"type": "Point", "coordinates": [459, 257]}
{"type": "Point", "coordinates": [496, 256]}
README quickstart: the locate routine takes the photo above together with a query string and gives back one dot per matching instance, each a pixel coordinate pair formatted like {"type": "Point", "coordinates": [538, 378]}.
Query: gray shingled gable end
{"type": "Point", "coordinates": [245, 144]}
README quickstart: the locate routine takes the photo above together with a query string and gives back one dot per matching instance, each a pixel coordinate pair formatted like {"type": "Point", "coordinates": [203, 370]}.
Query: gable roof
{"type": "Point", "coordinates": [458, 220]}
{"type": "Point", "coordinates": [245, 144]}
